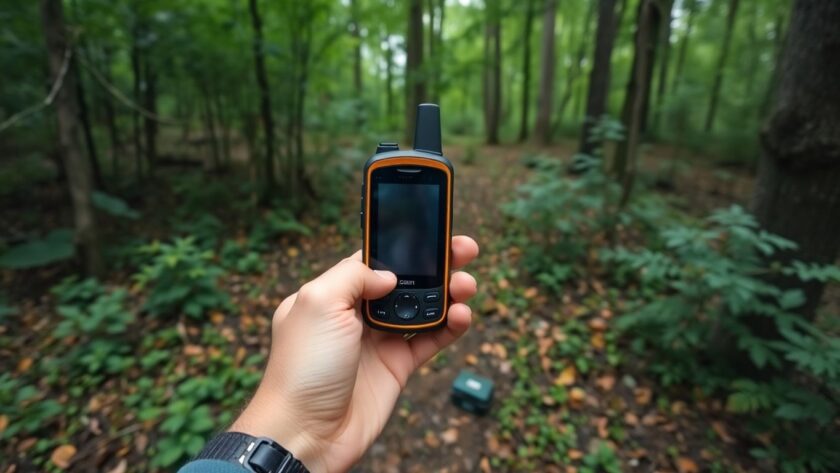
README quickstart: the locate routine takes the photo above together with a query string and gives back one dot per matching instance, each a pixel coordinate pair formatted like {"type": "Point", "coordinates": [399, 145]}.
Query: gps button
{"type": "Point", "coordinates": [406, 306]}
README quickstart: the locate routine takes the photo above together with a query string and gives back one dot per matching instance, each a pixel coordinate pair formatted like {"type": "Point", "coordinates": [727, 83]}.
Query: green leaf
{"type": "Point", "coordinates": [56, 246]}
{"type": "Point", "coordinates": [113, 205]}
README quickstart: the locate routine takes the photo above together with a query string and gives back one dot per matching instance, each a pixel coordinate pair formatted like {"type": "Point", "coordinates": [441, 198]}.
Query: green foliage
{"type": "Point", "coordinates": [113, 205]}
{"type": "Point", "coordinates": [184, 431]}
{"type": "Point", "coordinates": [709, 289]}
{"type": "Point", "coordinates": [181, 277]}
{"type": "Point", "coordinates": [55, 246]}
{"type": "Point", "coordinates": [25, 406]}
{"type": "Point", "coordinates": [237, 257]}
{"type": "Point", "coordinates": [272, 225]}
{"type": "Point", "coordinates": [602, 459]}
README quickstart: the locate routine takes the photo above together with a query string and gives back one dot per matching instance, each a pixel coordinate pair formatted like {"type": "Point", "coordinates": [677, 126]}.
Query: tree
{"type": "Point", "coordinates": [577, 62]}
{"type": "Point", "coordinates": [355, 32]}
{"type": "Point", "coordinates": [415, 86]}
{"type": "Point", "coordinates": [664, 57]}
{"type": "Point", "coordinates": [526, 69]}
{"type": "Point", "coordinates": [265, 95]}
{"type": "Point", "coordinates": [492, 71]}
{"type": "Point", "coordinates": [638, 88]}
{"type": "Point", "coordinates": [721, 65]}
{"type": "Point", "coordinates": [599, 76]}
{"type": "Point", "coordinates": [77, 167]}
{"type": "Point", "coordinates": [542, 128]}
{"type": "Point", "coordinates": [797, 194]}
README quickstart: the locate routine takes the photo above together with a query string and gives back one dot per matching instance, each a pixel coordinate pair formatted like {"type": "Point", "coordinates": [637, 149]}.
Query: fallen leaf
{"type": "Point", "coordinates": [26, 444]}
{"type": "Point", "coordinates": [501, 351]}
{"type": "Point", "coordinates": [567, 376]}
{"type": "Point", "coordinates": [717, 426]}
{"type": "Point", "coordinates": [598, 324]}
{"type": "Point", "coordinates": [643, 396]}
{"type": "Point", "coordinates": [686, 465]}
{"type": "Point", "coordinates": [193, 350]}
{"type": "Point", "coordinates": [531, 292]}
{"type": "Point", "coordinates": [605, 383]}
{"type": "Point", "coordinates": [502, 309]}
{"type": "Point", "coordinates": [576, 397]}
{"type": "Point", "coordinates": [678, 407]}
{"type": "Point", "coordinates": [120, 467]}
{"type": "Point", "coordinates": [449, 436]}
{"type": "Point", "coordinates": [217, 318]}
{"type": "Point", "coordinates": [503, 283]}
{"type": "Point", "coordinates": [484, 464]}
{"type": "Point", "coordinates": [293, 252]}
{"type": "Point", "coordinates": [24, 364]}
{"type": "Point", "coordinates": [486, 348]}
{"type": "Point", "coordinates": [597, 341]}
{"type": "Point", "coordinates": [575, 454]}
{"type": "Point", "coordinates": [471, 359]}
{"type": "Point", "coordinates": [631, 419]}
{"type": "Point", "coordinates": [548, 400]}
{"type": "Point", "coordinates": [431, 440]}
{"type": "Point", "coordinates": [601, 424]}
{"type": "Point", "coordinates": [62, 456]}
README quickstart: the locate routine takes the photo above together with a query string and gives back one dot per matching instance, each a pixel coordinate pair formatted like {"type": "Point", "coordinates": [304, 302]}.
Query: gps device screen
{"type": "Point", "coordinates": [408, 216]}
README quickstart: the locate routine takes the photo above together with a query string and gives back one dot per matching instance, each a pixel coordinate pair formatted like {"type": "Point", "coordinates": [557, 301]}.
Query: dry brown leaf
{"type": "Point", "coordinates": [531, 292]}
{"type": "Point", "coordinates": [501, 351]}
{"type": "Point", "coordinates": [598, 324]}
{"type": "Point", "coordinates": [26, 444]}
{"type": "Point", "coordinates": [631, 419]}
{"type": "Point", "coordinates": [431, 440]}
{"type": "Point", "coordinates": [449, 436]}
{"type": "Point", "coordinates": [548, 400]}
{"type": "Point", "coordinates": [24, 364]}
{"type": "Point", "coordinates": [293, 252]}
{"type": "Point", "coordinates": [63, 455]}
{"type": "Point", "coordinates": [601, 424]}
{"type": "Point", "coordinates": [686, 465]}
{"type": "Point", "coordinates": [576, 397]}
{"type": "Point", "coordinates": [486, 348]}
{"type": "Point", "coordinates": [597, 341]}
{"type": "Point", "coordinates": [718, 426]}
{"type": "Point", "coordinates": [544, 345]}
{"type": "Point", "coordinates": [575, 454]}
{"type": "Point", "coordinates": [643, 396]}
{"type": "Point", "coordinates": [503, 283]}
{"type": "Point", "coordinates": [567, 376]}
{"type": "Point", "coordinates": [193, 350]}
{"type": "Point", "coordinates": [605, 383]}
{"type": "Point", "coordinates": [120, 467]}
{"type": "Point", "coordinates": [471, 359]}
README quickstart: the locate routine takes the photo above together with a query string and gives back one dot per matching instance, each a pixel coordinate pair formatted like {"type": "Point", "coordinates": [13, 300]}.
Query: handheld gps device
{"type": "Point", "coordinates": [406, 218]}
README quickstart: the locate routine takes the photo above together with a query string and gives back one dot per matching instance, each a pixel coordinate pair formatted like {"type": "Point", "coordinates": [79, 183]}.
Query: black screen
{"type": "Point", "coordinates": [407, 223]}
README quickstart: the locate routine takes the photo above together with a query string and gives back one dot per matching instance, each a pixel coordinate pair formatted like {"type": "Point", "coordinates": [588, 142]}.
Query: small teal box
{"type": "Point", "coordinates": [472, 393]}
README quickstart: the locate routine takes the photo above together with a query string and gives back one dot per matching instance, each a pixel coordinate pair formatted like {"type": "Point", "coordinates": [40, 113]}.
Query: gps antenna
{"type": "Point", "coordinates": [427, 129]}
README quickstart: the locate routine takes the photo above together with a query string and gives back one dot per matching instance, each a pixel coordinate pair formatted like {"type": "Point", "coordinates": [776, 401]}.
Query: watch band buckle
{"type": "Point", "coordinates": [260, 456]}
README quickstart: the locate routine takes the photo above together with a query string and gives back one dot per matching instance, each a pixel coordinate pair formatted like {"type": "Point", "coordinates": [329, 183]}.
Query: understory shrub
{"type": "Point", "coordinates": [710, 316]}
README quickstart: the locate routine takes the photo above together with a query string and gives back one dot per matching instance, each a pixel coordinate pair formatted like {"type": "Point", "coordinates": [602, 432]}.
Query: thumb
{"type": "Point", "coordinates": [348, 282]}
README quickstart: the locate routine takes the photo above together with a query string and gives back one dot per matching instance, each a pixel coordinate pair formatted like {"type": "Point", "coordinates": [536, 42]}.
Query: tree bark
{"type": "Point", "coordinates": [415, 85]}
{"type": "Point", "coordinates": [389, 79]}
{"type": "Point", "coordinates": [577, 65]}
{"type": "Point", "coordinates": [265, 96]}
{"type": "Point", "coordinates": [135, 116]}
{"type": "Point", "coordinates": [664, 62]}
{"type": "Point", "coordinates": [721, 65]}
{"type": "Point", "coordinates": [624, 165]}
{"type": "Point", "coordinates": [797, 194]}
{"type": "Point", "coordinates": [87, 129]}
{"type": "Point", "coordinates": [542, 127]}
{"type": "Point", "coordinates": [150, 125]}
{"type": "Point", "coordinates": [78, 168]}
{"type": "Point", "coordinates": [111, 116]}
{"type": "Point", "coordinates": [599, 77]}
{"type": "Point", "coordinates": [526, 70]}
{"type": "Point", "coordinates": [691, 7]}
{"type": "Point", "coordinates": [355, 31]}
{"type": "Point", "coordinates": [492, 72]}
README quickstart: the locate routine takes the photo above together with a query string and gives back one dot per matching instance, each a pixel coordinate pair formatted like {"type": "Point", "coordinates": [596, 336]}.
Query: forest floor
{"type": "Point", "coordinates": [650, 428]}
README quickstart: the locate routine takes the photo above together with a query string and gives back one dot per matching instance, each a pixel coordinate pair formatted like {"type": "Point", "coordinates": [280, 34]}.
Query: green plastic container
{"type": "Point", "coordinates": [472, 393]}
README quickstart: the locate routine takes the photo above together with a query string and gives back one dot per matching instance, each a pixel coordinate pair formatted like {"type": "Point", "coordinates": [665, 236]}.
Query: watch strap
{"type": "Point", "coordinates": [255, 454]}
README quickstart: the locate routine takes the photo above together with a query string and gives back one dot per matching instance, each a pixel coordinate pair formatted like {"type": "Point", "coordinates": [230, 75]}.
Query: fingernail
{"type": "Point", "coordinates": [384, 274]}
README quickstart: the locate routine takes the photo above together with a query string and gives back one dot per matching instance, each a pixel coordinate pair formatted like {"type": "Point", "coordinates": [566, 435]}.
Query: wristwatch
{"type": "Point", "coordinates": [255, 454]}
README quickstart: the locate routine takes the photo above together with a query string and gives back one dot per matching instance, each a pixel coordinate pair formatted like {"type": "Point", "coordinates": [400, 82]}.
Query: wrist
{"type": "Point", "coordinates": [268, 416]}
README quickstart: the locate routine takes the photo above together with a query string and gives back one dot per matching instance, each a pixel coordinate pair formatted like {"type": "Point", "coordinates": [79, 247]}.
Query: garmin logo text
{"type": "Point", "coordinates": [406, 282]}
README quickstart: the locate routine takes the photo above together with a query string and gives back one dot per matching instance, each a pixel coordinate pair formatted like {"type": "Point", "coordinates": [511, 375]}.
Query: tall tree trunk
{"type": "Point", "coordinates": [433, 62]}
{"type": "Point", "coordinates": [797, 194]}
{"type": "Point", "coordinates": [135, 116]}
{"type": "Point", "coordinates": [355, 31]}
{"type": "Point", "coordinates": [76, 165]}
{"type": "Point", "coordinates": [111, 117]}
{"type": "Point", "coordinates": [599, 77]}
{"type": "Point", "coordinates": [577, 64]}
{"type": "Point", "coordinates": [492, 72]}
{"type": "Point", "coordinates": [664, 61]}
{"type": "Point", "coordinates": [721, 65]}
{"type": "Point", "coordinates": [389, 79]}
{"type": "Point", "coordinates": [624, 165]}
{"type": "Point", "coordinates": [150, 125]}
{"type": "Point", "coordinates": [526, 70]}
{"type": "Point", "coordinates": [265, 96]}
{"type": "Point", "coordinates": [691, 7]}
{"type": "Point", "coordinates": [542, 127]}
{"type": "Point", "coordinates": [415, 85]}
{"type": "Point", "coordinates": [210, 125]}
{"type": "Point", "coordinates": [87, 128]}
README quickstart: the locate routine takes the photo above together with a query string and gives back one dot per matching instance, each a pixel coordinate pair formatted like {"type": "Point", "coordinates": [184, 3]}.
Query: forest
{"type": "Point", "coordinates": [654, 184]}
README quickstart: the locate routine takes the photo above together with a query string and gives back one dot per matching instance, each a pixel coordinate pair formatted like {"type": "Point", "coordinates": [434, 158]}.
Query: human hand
{"type": "Point", "coordinates": [331, 381]}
